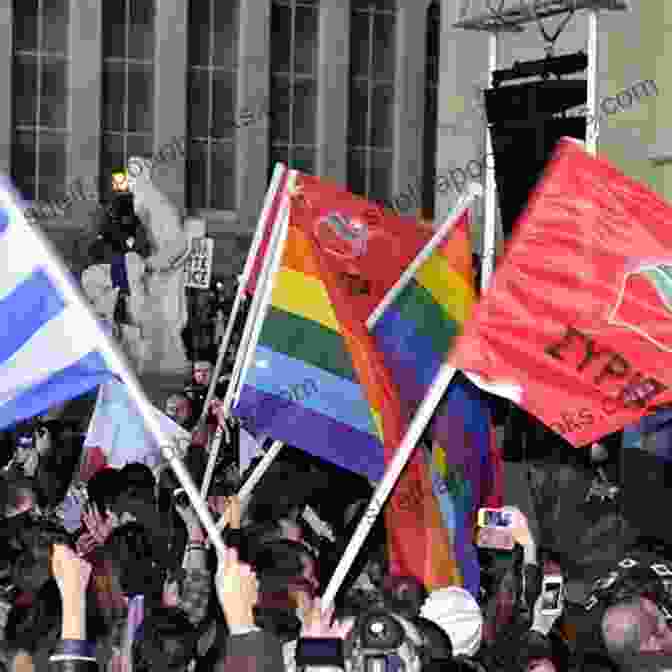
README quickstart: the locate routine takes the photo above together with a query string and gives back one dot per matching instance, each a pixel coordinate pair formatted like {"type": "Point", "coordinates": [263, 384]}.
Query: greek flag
{"type": "Point", "coordinates": [51, 344]}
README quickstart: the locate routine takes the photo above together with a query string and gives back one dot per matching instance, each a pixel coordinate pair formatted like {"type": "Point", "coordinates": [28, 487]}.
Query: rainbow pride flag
{"type": "Point", "coordinates": [417, 330]}
{"type": "Point", "coordinates": [303, 388]}
{"type": "Point", "coordinates": [415, 334]}
{"type": "Point", "coordinates": [317, 379]}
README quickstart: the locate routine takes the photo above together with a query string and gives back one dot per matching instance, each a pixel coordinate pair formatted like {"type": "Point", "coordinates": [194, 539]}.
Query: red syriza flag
{"type": "Point", "coordinates": [576, 327]}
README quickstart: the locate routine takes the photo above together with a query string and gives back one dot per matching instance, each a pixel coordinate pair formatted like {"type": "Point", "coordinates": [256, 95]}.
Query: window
{"type": "Point", "coordinates": [212, 104]}
{"type": "Point", "coordinates": [372, 74]}
{"type": "Point", "coordinates": [293, 98]}
{"type": "Point", "coordinates": [429, 148]}
{"type": "Point", "coordinates": [128, 85]}
{"type": "Point", "coordinates": [39, 110]}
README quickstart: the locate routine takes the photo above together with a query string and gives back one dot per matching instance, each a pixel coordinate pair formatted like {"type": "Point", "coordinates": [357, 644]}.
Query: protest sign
{"type": "Point", "coordinates": [198, 268]}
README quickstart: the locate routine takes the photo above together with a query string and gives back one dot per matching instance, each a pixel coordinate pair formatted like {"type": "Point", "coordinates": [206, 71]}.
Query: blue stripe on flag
{"type": "Point", "coordinates": [26, 310]}
{"type": "Point", "coordinates": [4, 220]}
{"type": "Point", "coordinates": [320, 391]}
{"type": "Point", "coordinates": [87, 373]}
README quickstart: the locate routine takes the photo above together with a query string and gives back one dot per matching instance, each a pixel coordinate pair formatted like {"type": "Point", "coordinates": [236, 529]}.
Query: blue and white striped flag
{"type": "Point", "coordinates": [118, 429]}
{"type": "Point", "coordinates": [52, 347]}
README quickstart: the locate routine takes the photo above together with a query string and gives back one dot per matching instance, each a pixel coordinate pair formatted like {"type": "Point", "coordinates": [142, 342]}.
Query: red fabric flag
{"type": "Point", "coordinates": [577, 325]}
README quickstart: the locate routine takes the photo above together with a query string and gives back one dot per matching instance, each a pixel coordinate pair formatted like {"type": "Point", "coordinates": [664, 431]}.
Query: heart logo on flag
{"type": "Point", "coordinates": [644, 303]}
{"type": "Point", "coordinates": [341, 236]}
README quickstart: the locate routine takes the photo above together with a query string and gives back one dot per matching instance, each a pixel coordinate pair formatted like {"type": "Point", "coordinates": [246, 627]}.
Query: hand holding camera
{"type": "Point", "coordinates": [322, 625]}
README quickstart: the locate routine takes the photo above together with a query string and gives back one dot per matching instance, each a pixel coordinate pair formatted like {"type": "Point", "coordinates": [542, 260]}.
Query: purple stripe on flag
{"type": "Point", "coordinates": [292, 423]}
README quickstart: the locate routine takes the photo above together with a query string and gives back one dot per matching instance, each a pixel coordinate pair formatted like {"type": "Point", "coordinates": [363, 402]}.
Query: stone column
{"type": "Point", "coordinates": [254, 47]}
{"type": "Point", "coordinates": [170, 98]}
{"type": "Point", "coordinates": [333, 85]}
{"type": "Point", "coordinates": [409, 103]}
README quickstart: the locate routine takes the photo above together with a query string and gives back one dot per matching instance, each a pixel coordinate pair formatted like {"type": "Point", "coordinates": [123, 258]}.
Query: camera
{"type": "Point", "coordinates": [386, 642]}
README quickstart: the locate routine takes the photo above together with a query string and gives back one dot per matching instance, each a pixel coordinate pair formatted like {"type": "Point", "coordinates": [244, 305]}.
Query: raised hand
{"type": "Point", "coordinates": [520, 528]}
{"type": "Point", "coordinates": [72, 573]}
{"type": "Point", "coordinates": [321, 624]}
{"type": "Point", "coordinates": [237, 589]}
{"type": "Point", "coordinates": [98, 530]}
{"type": "Point", "coordinates": [543, 623]}
{"type": "Point", "coordinates": [230, 514]}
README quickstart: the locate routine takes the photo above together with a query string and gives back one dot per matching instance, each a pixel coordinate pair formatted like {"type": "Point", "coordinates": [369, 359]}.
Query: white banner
{"type": "Point", "coordinates": [198, 268]}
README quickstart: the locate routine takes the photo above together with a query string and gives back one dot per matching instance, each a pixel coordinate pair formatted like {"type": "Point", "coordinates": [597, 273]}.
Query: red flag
{"type": "Point", "coordinates": [577, 325]}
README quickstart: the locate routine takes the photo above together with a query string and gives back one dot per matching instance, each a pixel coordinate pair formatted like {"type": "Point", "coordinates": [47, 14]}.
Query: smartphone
{"type": "Point", "coordinates": [551, 594]}
{"type": "Point", "coordinates": [494, 518]}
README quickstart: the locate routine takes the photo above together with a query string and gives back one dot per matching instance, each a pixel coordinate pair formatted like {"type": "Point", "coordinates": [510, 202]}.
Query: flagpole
{"type": "Point", "coordinates": [474, 190]}
{"type": "Point", "coordinates": [490, 201]}
{"type": "Point", "coordinates": [118, 364]}
{"type": "Point", "coordinates": [253, 479]}
{"type": "Point", "coordinates": [382, 492]}
{"type": "Point", "coordinates": [251, 317]}
{"type": "Point", "coordinates": [261, 297]}
{"type": "Point", "coordinates": [271, 264]}
{"type": "Point", "coordinates": [592, 116]}
{"type": "Point", "coordinates": [243, 279]}
{"type": "Point", "coordinates": [264, 300]}
{"type": "Point", "coordinates": [212, 461]}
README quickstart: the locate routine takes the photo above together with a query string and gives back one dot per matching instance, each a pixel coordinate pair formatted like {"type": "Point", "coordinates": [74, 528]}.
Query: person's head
{"type": "Point", "coordinates": [202, 372]}
{"type": "Point", "coordinates": [542, 654]}
{"type": "Point", "coordinates": [540, 665]}
{"type": "Point", "coordinates": [47, 435]}
{"type": "Point", "coordinates": [26, 455]}
{"type": "Point", "coordinates": [178, 407]}
{"type": "Point", "coordinates": [456, 611]}
{"type": "Point", "coordinates": [133, 567]}
{"type": "Point", "coordinates": [635, 626]}
{"type": "Point", "coordinates": [404, 595]}
{"type": "Point", "coordinates": [137, 490]}
{"type": "Point", "coordinates": [286, 563]}
{"type": "Point", "coordinates": [103, 488]}
{"type": "Point", "coordinates": [166, 641]}
{"type": "Point", "coordinates": [18, 496]}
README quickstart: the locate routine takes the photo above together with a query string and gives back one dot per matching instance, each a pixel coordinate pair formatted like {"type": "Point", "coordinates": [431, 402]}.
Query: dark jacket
{"type": "Point", "coordinates": [255, 651]}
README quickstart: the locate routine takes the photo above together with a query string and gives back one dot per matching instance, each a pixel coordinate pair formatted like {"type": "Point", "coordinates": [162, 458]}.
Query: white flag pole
{"type": "Point", "coordinates": [490, 203]}
{"type": "Point", "coordinates": [473, 191]}
{"type": "Point", "coordinates": [382, 492]}
{"type": "Point", "coordinates": [255, 319]}
{"type": "Point", "coordinates": [212, 461]}
{"type": "Point", "coordinates": [243, 279]}
{"type": "Point", "coordinates": [263, 296]}
{"type": "Point", "coordinates": [117, 362]}
{"type": "Point", "coordinates": [254, 478]}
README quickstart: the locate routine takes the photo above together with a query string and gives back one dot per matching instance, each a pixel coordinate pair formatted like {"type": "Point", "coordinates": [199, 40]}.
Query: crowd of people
{"type": "Point", "coordinates": [138, 585]}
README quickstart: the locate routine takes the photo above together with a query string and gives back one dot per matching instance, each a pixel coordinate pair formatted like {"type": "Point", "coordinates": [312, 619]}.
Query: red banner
{"type": "Point", "coordinates": [577, 325]}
